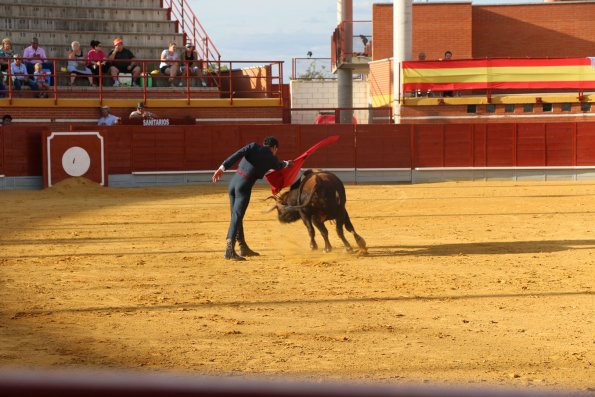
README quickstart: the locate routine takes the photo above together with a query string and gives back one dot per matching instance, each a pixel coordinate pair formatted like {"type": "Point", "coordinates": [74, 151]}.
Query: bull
{"type": "Point", "coordinates": [318, 196]}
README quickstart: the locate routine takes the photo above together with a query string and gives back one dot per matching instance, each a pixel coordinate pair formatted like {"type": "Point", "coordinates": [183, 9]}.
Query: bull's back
{"type": "Point", "coordinates": [328, 193]}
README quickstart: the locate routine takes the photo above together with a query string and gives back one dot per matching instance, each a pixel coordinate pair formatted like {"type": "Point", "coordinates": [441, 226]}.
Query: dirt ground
{"type": "Point", "coordinates": [487, 283]}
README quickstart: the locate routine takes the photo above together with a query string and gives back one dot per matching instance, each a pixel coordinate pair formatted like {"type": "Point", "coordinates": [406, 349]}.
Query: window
{"type": "Point", "coordinates": [471, 108]}
{"type": "Point", "coordinates": [509, 108]}
{"type": "Point", "coordinates": [528, 108]}
{"type": "Point", "coordinates": [566, 107]}
{"type": "Point", "coordinates": [585, 106]}
{"type": "Point", "coordinates": [547, 107]}
{"type": "Point", "coordinates": [490, 108]}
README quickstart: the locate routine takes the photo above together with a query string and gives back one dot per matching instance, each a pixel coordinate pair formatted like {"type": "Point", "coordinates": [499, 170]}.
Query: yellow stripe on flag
{"type": "Point", "coordinates": [499, 74]}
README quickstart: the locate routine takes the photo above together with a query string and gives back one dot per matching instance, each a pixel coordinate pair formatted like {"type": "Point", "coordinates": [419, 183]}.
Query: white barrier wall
{"type": "Point", "coordinates": [324, 94]}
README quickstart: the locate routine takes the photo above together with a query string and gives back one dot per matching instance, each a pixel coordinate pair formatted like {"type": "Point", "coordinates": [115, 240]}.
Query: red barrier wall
{"type": "Point", "coordinates": [204, 147]}
{"type": "Point", "coordinates": [21, 151]}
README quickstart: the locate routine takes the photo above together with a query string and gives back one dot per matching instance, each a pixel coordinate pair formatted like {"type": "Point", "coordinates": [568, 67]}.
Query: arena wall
{"type": "Point", "coordinates": [140, 156]}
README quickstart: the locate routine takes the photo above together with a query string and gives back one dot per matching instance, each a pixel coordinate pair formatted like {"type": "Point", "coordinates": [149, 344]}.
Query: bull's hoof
{"type": "Point", "coordinates": [326, 250]}
{"type": "Point", "coordinates": [313, 247]}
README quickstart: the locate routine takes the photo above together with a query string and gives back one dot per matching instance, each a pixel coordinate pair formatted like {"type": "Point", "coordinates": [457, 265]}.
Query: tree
{"type": "Point", "coordinates": [312, 72]}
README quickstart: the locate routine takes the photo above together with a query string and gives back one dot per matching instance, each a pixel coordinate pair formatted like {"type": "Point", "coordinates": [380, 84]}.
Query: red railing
{"type": "Point", "coordinates": [228, 79]}
{"type": "Point", "coordinates": [181, 12]}
{"type": "Point", "coordinates": [352, 39]}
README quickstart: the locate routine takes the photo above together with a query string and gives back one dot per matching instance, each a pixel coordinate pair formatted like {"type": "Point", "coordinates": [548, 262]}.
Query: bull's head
{"type": "Point", "coordinates": [283, 204]}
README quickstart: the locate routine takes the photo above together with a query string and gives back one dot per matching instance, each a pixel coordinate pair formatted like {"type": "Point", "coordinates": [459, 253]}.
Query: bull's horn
{"type": "Point", "coordinates": [269, 210]}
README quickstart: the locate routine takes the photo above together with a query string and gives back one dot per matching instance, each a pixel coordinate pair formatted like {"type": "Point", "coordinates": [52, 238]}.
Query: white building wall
{"type": "Point", "coordinates": [324, 94]}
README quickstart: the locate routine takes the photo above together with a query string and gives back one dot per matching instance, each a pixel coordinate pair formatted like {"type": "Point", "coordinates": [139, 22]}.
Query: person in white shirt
{"type": "Point", "coordinates": [106, 118]}
{"type": "Point", "coordinates": [141, 113]}
{"type": "Point", "coordinates": [170, 64]}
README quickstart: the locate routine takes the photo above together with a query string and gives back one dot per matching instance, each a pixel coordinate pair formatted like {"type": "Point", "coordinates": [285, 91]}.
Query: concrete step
{"type": "Point", "coordinates": [17, 11]}
{"type": "Point", "coordinates": [57, 42]}
{"type": "Point", "coordinates": [139, 4]}
{"type": "Point", "coordinates": [80, 25]}
{"type": "Point", "coordinates": [145, 53]}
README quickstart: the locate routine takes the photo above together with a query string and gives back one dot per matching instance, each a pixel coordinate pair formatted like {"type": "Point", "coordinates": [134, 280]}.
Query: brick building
{"type": "Point", "coordinates": [536, 30]}
{"type": "Point", "coordinates": [552, 29]}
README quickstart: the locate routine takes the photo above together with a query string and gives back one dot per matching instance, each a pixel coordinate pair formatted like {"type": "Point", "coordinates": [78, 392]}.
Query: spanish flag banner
{"type": "Point", "coordinates": [474, 74]}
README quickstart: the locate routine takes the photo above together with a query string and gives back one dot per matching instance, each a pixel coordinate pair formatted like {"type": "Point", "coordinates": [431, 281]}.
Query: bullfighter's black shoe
{"type": "Point", "coordinates": [245, 250]}
{"type": "Point", "coordinates": [230, 252]}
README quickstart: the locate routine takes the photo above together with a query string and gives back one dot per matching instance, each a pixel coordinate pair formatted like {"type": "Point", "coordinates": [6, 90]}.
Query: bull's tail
{"type": "Point", "coordinates": [348, 224]}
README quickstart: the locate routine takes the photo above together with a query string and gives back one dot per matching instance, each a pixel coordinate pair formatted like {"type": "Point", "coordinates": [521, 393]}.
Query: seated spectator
{"type": "Point", "coordinates": [19, 74]}
{"type": "Point", "coordinates": [6, 120]}
{"type": "Point", "coordinates": [419, 93]}
{"type": "Point", "coordinates": [106, 118]}
{"type": "Point", "coordinates": [40, 78]}
{"type": "Point", "coordinates": [6, 53]}
{"type": "Point", "coordinates": [122, 61]}
{"type": "Point", "coordinates": [192, 62]}
{"type": "Point", "coordinates": [96, 59]}
{"type": "Point", "coordinates": [77, 64]}
{"type": "Point", "coordinates": [447, 57]}
{"type": "Point", "coordinates": [170, 64]}
{"type": "Point", "coordinates": [141, 113]}
{"type": "Point", "coordinates": [2, 88]}
{"type": "Point", "coordinates": [36, 54]}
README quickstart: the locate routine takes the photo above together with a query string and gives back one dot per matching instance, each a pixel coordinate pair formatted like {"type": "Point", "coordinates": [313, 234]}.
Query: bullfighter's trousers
{"type": "Point", "coordinates": [239, 189]}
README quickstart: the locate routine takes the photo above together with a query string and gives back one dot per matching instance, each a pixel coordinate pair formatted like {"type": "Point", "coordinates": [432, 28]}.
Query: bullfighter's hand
{"type": "Point", "coordinates": [289, 163]}
{"type": "Point", "coordinates": [217, 174]}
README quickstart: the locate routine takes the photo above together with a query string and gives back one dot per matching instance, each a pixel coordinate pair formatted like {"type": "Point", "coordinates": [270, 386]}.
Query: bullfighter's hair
{"type": "Point", "coordinates": [270, 141]}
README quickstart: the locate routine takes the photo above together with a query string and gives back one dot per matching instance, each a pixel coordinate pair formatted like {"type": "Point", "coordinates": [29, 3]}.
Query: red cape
{"type": "Point", "coordinates": [286, 176]}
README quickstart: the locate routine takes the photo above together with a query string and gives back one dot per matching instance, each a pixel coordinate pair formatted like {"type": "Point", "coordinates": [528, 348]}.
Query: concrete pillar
{"type": "Point", "coordinates": [344, 75]}
{"type": "Point", "coordinates": [345, 87]}
{"type": "Point", "coordinates": [402, 38]}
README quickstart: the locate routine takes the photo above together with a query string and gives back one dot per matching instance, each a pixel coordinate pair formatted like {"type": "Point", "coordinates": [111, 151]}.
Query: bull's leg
{"type": "Point", "coordinates": [311, 232]}
{"type": "Point", "coordinates": [361, 243]}
{"type": "Point", "coordinates": [324, 232]}
{"type": "Point", "coordinates": [340, 222]}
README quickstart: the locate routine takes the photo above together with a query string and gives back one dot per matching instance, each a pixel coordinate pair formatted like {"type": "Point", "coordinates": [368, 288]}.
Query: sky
{"type": "Point", "coordinates": [279, 30]}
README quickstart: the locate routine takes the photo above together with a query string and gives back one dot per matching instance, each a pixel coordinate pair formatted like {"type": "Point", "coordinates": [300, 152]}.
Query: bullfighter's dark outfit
{"type": "Point", "coordinates": [256, 161]}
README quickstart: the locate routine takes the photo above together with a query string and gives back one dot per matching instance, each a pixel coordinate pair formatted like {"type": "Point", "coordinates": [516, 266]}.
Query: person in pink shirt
{"type": "Point", "coordinates": [96, 58]}
{"type": "Point", "coordinates": [36, 54]}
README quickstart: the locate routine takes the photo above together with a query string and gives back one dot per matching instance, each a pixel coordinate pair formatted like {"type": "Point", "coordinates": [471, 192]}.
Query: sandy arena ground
{"type": "Point", "coordinates": [486, 283]}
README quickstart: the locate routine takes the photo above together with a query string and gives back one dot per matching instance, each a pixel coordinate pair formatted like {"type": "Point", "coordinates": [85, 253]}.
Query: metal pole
{"type": "Point", "coordinates": [345, 74]}
{"type": "Point", "coordinates": [402, 16]}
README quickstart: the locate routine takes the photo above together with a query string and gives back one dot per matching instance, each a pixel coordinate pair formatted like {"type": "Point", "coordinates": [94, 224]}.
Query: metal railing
{"type": "Point", "coordinates": [181, 12]}
{"type": "Point", "coordinates": [228, 79]}
{"type": "Point", "coordinates": [312, 69]}
{"type": "Point", "coordinates": [352, 39]}
{"type": "Point", "coordinates": [328, 115]}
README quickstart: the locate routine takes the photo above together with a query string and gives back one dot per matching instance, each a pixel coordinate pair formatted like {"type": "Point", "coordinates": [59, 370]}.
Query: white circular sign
{"type": "Point", "coordinates": [76, 161]}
